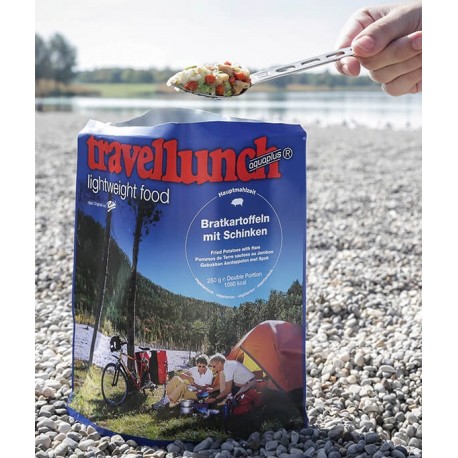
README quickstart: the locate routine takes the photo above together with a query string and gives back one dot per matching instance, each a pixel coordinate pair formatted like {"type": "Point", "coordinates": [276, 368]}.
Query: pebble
{"type": "Point", "coordinates": [364, 373]}
{"type": "Point", "coordinates": [43, 440]}
{"type": "Point", "coordinates": [85, 444]}
{"type": "Point", "coordinates": [205, 444]}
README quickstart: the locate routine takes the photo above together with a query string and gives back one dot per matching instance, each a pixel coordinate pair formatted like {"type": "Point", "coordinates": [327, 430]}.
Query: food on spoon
{"type": "Point", "coordinates": [219, 80]}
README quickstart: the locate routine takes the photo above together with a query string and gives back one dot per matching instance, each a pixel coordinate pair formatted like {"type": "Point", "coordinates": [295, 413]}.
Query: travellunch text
{"type": "Point", "coordinates": [163, 161]}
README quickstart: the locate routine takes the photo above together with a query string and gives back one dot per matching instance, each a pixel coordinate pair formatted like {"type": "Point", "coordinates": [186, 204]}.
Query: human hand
{"type": "Point", "coordinates": [387, 41]}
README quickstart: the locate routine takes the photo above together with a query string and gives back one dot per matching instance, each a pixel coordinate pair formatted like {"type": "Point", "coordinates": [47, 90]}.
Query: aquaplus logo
{"type": "Point", "coordinates": [163, 160]}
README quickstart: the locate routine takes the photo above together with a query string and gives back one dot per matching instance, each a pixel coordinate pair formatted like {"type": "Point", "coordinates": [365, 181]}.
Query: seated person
{"type": "Point", "coordinates": [199, 377]}
{"type": "Point", "coordinates": [234, 377]}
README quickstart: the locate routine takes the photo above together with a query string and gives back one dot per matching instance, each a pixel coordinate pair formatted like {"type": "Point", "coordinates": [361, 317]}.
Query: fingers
{"type": "Point", "coordinates": [399, 66]}
{"type": "Point", "coordinates": [397, 23]}
{"type": "Point", "coordinates": [361, 19]}
{"type": "Point", "coordinates": [400, 50]}
{"type": "Point", "coordinates": [409, 83]}
{"type": "Point", "coordinates": [397, 52]}
{"type": "Point", "coordinates": [357, 23]}
{"type": "Point", "coordinates": [391, 72]}
{"type": "Point", "coordinates": [349, 66]}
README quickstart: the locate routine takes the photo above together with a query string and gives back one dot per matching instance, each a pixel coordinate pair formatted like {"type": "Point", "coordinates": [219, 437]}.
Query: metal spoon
{"type": "Point", "coordinates": [283, 70]}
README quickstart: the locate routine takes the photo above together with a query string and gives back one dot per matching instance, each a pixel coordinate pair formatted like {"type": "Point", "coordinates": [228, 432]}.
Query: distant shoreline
{"type": "Point", "coordinates": [140, 90]}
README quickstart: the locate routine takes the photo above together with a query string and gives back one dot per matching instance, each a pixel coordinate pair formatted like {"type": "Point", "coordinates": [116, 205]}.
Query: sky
{"type": "Point", "coordinates": [178, 33]}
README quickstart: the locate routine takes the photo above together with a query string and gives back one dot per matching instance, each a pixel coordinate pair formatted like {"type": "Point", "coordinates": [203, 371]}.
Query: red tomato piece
{"type": "Point", "coordinates": [210, 79]}
{"type": "Point", "coordinates": [191, 86]}
{"type": "Point", "coordinates": [241, 76]}
{"type": "Point", "coordinates": [219, 90]}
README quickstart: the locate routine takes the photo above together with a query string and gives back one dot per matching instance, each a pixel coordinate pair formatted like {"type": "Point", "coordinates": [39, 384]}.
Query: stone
{"type": "Point", "coordinates": [336, 432]}
{"type": "Point", "coordinates": [387, 368]}
{"type": "Point", "coordinates": [86, 443]}
{"type": "Point", "coordinates": [61, 450]}
{"type": "Point", "coordinates": [70, 442]}
{"type": "Point", "coordinates": [271, 445]}
{"type": "Point", "coordinates": [229, 446]}
{"type": "Point", "coordinates": [295, 437]}
{"type": "Point", "coordinates": [64, 428]}
{"type": "Point", "coordinates": [42, 440]}
{"type": "Point", "coordinates": [205, 444]}
{"type": "Point", "coordinates": [397, 454]}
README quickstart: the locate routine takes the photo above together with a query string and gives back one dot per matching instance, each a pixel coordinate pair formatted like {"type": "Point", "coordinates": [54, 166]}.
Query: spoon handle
{"type": "Point", "coordinates": [304, 64]}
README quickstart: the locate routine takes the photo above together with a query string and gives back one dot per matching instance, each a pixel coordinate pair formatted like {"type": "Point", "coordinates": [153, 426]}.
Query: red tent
{"type": "Point", "coordinates": [276, 349]}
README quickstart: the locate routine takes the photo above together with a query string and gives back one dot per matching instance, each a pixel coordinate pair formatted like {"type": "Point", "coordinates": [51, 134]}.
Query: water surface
{"type": "Point", "coordinates": [373, 109]}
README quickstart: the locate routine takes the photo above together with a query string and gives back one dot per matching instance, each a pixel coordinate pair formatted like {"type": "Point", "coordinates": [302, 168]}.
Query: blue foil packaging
{"type": "Point", "coordinates": [190, 236]}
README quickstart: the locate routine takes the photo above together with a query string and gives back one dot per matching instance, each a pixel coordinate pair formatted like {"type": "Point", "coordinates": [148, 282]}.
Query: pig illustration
{"type": "Point", "coordinates": [238, 201]}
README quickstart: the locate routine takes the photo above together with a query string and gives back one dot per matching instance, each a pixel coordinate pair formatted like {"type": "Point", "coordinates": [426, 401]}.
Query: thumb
{"type": "Point", "coordinates": [375, 37]}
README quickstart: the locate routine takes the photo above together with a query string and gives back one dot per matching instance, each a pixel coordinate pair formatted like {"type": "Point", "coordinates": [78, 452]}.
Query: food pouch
{"type": "Point", "coordinates": [189, 240]}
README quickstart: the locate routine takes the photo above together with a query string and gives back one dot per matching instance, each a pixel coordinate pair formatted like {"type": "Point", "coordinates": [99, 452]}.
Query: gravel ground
{"type": "Point", "coordinates": [364, 342]}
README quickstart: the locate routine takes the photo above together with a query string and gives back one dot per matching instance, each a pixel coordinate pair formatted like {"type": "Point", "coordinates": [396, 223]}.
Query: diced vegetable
{"type": "Point", "coordinates": [241, 76]}
{"type": "Point", "coordinates": [191, 86]}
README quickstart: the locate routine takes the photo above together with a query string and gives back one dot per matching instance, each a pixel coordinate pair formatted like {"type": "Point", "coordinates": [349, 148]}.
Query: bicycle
{"type": "Point", "coordinates": [118, 380]}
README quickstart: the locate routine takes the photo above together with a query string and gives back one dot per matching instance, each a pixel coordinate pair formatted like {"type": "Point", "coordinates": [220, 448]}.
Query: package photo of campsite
{"type": "Point", "coordinates": [170, 332]}
{"type": "Point", "coordinates": [274, 401]}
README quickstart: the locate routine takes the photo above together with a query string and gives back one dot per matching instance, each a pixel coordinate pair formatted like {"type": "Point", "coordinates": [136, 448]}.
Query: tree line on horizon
{"type": "Point", "coordinates": [56, 60]}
